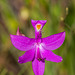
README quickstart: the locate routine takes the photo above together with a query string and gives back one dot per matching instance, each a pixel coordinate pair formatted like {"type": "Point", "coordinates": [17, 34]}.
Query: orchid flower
{"type": "Point", "coordinates": [38, 49]}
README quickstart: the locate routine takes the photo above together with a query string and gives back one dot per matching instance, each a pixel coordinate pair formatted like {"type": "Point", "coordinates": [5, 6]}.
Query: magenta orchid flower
{"type": "Point", "coordinates": [38, 49]}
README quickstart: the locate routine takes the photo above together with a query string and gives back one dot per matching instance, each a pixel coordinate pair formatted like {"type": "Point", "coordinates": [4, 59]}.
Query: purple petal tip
{"type": "Point", "coordinates": [20, 62]}
{"type": "Point", "coordinates": [60, 59]}
{"type": "Point", "coordinates": [11, 35]}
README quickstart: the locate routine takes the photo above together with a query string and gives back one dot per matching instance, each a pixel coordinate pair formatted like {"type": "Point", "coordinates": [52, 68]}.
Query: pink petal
{"type": "Point", "coordinates": [22, 43]}
{"type": "Point", "coordinates": [54, 41]}
{"type": "Point", "coordinates": [50, 56]}
{"type": "Point", "coordinates": [28, 56]}
{"type": "Point", "coordinates": [38, 67]}
{"type": "Point", "coordinates": [18, 32]}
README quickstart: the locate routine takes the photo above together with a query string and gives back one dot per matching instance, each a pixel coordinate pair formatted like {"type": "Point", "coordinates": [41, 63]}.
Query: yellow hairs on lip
{"type": "Point", "coordinates": [38, 26]}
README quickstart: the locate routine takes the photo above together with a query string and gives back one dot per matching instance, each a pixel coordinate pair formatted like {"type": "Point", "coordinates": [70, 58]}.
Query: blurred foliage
{"type": "Point", "coordinates": [60, 16]}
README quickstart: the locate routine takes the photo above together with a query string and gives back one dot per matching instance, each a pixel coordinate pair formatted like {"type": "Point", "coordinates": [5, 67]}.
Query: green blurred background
{"type": "Point", "coordinates": [60, 16]}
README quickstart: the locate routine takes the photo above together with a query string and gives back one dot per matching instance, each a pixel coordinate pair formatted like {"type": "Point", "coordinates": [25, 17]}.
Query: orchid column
{"type": "Point", "coordinates": [38, 49]}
